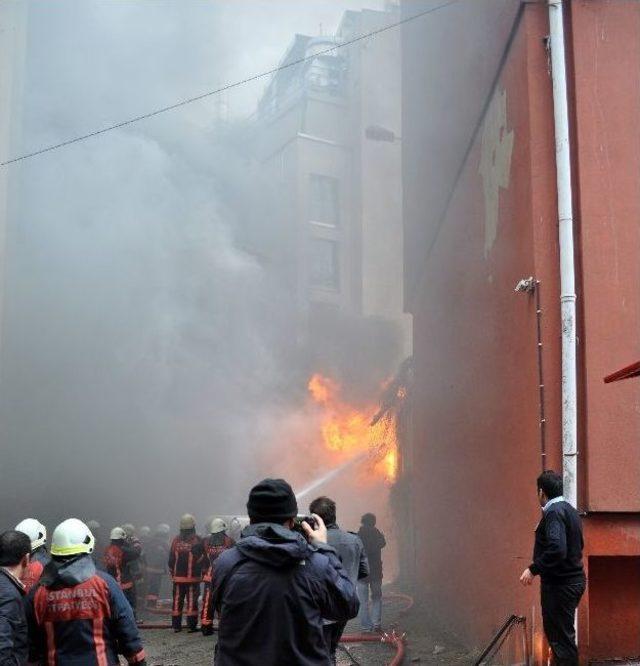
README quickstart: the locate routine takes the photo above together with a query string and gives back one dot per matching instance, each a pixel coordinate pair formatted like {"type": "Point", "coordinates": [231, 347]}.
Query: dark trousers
{"type": "Point", "coordinates": [189, 593]}
{"type": "Point", "coordinates": [332, 634]}
{"type": "Point", "coordinates": [132, 597]}
{"type": "Point", "coordinates": [154, 582]}
{"type": "Point", "coordinates": [559, 604]}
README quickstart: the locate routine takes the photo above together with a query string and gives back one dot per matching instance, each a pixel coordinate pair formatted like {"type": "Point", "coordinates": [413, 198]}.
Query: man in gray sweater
{"type": "Point", "coordinates": [350, 551]}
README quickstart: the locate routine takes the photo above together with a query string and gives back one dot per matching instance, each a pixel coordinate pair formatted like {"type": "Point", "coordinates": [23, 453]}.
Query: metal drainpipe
{"type": "Point", "coordinates": [567, 267]}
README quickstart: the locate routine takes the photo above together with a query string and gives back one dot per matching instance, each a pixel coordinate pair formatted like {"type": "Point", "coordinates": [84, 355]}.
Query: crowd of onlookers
{"type": "Point", "coordinates": [282, 588]}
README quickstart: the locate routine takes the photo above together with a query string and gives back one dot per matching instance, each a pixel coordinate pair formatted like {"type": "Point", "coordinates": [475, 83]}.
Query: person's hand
{"type": "Point", "coordinates": [319, 535]}
{"type": "Point", "coordinates": [527, 577]}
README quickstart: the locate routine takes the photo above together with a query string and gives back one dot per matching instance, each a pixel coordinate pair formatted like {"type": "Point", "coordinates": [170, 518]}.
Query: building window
{"type": "Point", "coordinates": [324, 200]}
{"type": "Point", "coordinates": [324, 270]}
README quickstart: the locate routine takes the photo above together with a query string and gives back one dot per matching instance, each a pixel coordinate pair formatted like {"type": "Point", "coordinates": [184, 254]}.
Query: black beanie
{"type": "Point", "coordinates": [272, 501]}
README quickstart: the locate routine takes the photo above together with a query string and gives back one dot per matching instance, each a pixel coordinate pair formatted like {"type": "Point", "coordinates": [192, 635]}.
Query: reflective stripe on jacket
{"type": "Point", "coordinates": [186, 559]}
{"type": "Point", "coordinates": [79, 616]}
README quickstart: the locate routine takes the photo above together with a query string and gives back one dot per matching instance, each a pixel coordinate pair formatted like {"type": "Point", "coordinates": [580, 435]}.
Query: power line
{"type": "Point", "coordinates": [229, 86]}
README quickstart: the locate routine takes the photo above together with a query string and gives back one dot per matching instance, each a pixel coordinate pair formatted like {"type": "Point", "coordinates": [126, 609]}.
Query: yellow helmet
{"type": "Point", "coordinates": [187, 522]}
{"type": "Point", "coordinates": [72, 537]}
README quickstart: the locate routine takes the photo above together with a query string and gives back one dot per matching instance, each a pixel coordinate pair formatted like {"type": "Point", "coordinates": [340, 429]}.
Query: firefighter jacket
{"type": "Point", "coordinates": [137, 564]}
{"type": "Point", "coordinates": [273, 576]}
{"type": "Point", "coordinates": [13, 623]}
{"type": "Point", "coordinates": [118, 559]}
{"type": "Point", "coordinates": [78, 616]}
{"type": "Point", "coordinates": [39, 560]}
{"type": "Point", "coordinates": [157, 553]}
{"type": "Point", "coordinates": [186, 558]}
{"type": "Point", "coordinates": [214, 546]}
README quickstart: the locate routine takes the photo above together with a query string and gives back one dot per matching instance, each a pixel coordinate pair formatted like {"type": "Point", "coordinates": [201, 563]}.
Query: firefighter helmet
{"type": "Point", "coordinates": [117, 534]}
{"type": "Point", "coordinates": [129, 529]}
{"type": "Point", "coordinates": [35, 530]}
{"type": "Point", "coordinates": [71, 537]}
{"type": "Point", "coordinates": [163, 529]}
{"type": "Point", "coordinates": [187, 522]}
{"type": "Point", "coordinates": [217, 525]}
{"type": "Point", "coordinates": [93, 525]}
{"type": "Point", "coordinates": [145, 531]}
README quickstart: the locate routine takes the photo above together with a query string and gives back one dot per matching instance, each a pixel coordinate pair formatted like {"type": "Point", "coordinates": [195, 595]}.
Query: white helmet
{"type": "Point", "coordinates": [35, 530]}
{"type": "Point", "coordinates": [145, 531]}
{"type": "Point", "coordinates": [117, 533]}
{"type": "Point", "coordinates": [93, 525]}
{"type": "Point", "coordinates": [72, 537]}
{"type": "Point", "coordinates": [129, 529]}
{"type": "Point", "coordinates": [187, 522]}
{"type": "Point", "coordinates": [217, 525]}
{"type": "Point", "coordinates": [163, 528]}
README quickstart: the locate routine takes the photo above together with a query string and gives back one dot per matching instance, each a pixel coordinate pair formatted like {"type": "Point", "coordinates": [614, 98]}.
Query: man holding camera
{"type": "Point", "coordinates": [275, 586]}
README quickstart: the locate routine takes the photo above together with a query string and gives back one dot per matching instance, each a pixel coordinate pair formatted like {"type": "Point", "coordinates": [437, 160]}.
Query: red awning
{"type": "Point", "coordinates": [632, 370]}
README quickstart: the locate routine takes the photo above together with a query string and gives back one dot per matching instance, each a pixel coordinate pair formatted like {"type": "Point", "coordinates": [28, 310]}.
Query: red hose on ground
{"type": "Point", "coordinates": [392, 639]}
{"type": "Point", "coordinates": [158, 611]}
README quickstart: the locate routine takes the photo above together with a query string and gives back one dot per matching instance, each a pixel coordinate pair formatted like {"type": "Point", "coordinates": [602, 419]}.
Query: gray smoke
{"type": "Point", "coordinates": [148, 355]}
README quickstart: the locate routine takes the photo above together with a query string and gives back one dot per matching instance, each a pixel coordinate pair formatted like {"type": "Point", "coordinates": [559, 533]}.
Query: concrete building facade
{"type": "Point", "coordinates": [339, 192]}
{"type": "Point", "coordinates": [480, 204]}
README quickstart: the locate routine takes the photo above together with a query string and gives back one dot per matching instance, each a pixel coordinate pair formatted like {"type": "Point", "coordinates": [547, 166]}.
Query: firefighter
{"type": "Point", "coordinates": [78, 615]}
{"type": "Point", "coordinates": [37, 534]}
{"type": "Point", "coordinates": [214, 545]}
{"type": "Point", "coordinates": [157, 552]}
{"type": "Point", "coordinates": [101, 541]}
{"type": "Point", "coordinates": [137, 566]}
{"type": "Point", "coordinates": [118, 557]}
{"type": "Point", "coordinates": [186, 558]}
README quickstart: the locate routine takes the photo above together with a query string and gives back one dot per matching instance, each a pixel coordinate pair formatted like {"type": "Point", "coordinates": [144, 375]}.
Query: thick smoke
{"type": "Point", "coordinates": [149, 355]}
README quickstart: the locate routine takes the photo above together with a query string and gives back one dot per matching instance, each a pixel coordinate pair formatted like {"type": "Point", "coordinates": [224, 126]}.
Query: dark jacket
{"type": "Point", "coordinates": [13, 623]}
{"type": "Point", "coordinates": [80, 617]}
{"type": "Point", "coordinates": [557, 554]}
{"type": "Point", "coordinates": [373, 541]}
{"type": "Point", "coordinates": [350, 550]}
{"type": "Point", "coordinates": [186, 558]}
{"type": "Point", "coordinates": [272, 590]}
{"type": "Point", "coordinates": [118, 558]}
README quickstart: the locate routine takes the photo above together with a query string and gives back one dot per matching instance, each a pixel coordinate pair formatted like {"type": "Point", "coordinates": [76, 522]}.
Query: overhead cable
{"type": "Point", "coordinates": [229, 86]}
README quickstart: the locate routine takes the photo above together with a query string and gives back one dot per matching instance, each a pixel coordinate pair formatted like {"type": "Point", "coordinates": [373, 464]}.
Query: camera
{"type": "Point", "coordinates": [297, 523]}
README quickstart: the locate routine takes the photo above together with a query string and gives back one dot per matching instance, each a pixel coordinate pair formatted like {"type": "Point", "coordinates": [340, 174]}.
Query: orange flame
{"type": "Point", "coordinates": [347, 431]}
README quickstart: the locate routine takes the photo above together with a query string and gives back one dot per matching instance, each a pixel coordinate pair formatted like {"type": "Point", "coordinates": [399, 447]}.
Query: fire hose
{"type": "Point", "coordinates": [393, 639]}
{"type": "Point", "coordinates": [164, 606]}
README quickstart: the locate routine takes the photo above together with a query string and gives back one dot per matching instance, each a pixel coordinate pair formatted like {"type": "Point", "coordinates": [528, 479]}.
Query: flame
{"type": "Point", "coordinates": [346, 431]}
{"type": "Point", "coordinates": [322, 389]}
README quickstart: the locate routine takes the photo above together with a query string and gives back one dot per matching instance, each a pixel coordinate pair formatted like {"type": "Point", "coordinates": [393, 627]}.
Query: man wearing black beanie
{"type": "Point", "coordinates": [275, 586]}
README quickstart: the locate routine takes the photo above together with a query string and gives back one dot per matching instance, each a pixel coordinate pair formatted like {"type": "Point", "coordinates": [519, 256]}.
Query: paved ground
{"type": "Point", "coordinates": [425, 644]}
